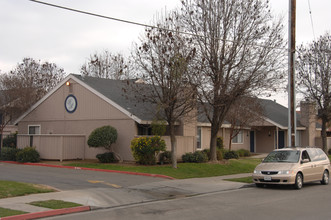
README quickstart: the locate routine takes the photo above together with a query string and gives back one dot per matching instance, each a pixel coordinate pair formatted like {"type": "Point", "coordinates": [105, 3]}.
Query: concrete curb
{"type": "Point", "coordinates": [91, 169]}
{"type": "Point", "coordinates": [48, 213]}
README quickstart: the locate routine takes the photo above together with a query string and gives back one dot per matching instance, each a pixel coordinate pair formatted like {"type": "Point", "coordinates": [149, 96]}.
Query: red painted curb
{"type": "Point", "coordinates": [92, 169]}
{"type": "Point", "coordinates": [48, 213]}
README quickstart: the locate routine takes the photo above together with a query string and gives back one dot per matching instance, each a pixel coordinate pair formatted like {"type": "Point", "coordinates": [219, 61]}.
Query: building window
{"type": "Point", "coordinates": [198, 137]}
{"type": "Point", "coordinates": [144, 130]}
{"type": "Point", "coordinates": [34, 129]}
{"type": "Point", "coordinates": [238, 139]}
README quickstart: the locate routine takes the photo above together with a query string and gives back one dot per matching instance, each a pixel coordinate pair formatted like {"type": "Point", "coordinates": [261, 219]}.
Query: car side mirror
{"type": "Point", "coordinates": [305, 161]}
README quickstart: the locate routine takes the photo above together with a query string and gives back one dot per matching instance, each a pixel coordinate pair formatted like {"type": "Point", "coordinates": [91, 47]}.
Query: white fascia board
{"type": "Point", "coordinates": [274, 123]}
{"type": "Point", "coordinates": [43, 99]}
{"type": "Point", "coordinates": [203, 124]}
{"type": "Point", "coordinates": [282, 127]}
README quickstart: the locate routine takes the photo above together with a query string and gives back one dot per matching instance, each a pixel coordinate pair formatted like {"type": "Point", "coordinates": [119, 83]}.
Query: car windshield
{"type": "Point", "coordinates": [288, 156]}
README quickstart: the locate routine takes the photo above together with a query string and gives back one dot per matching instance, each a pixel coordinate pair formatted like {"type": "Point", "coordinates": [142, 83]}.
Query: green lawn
{"type": "Point", "coordinates": [9, 212]}
{"type": "Point", "coordinates": [184, 170]}
{"type": "Point", "coordinates": [55, 204]}
{"type": "Point", "coordinates": [12, 189]}
{"type": "Point", "coordinates": [248, 179]}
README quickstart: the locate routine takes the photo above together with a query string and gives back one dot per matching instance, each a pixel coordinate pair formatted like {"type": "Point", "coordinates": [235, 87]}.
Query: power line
{"type": "Point", "coordinates": [93, 14]}
{"type": "Point", "coordinates": [139, 24]}
{"type": "Point", "coordinates": [311, 19]}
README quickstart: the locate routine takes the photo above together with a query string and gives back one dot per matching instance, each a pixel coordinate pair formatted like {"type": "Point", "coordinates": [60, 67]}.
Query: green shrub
{"type": "Point", "coordinates": [243, 153]}
{"type": "Point", "coordinates": [196, 157]}
{"type": "Point", "coordinates": [28, 154]}
{"type": "Point", "coordinates": [187, 157]}
{"type": "Point", "coordinates": [219, 153]}
{"type": "Point", "coordinates": [10, 141]}
{"type": "Point", "coordinates": [102, 137]}
{"type": "Point", "coordinates": [159, 127]}
{"type": "Point", "coordinates": [231, 155]}
{"type": "Point", "coordinates": [107, 157]}
{"type": "Point", "coordinates": [144, 149]}
{"type": "Point", "coordinates": [219, 143]}
{"type": "Point", "coordinates": [165, 157]}
{"type": "Point", "coordinates": [9, 153]}
{"type": "Point", "coordinates": [329, 151]}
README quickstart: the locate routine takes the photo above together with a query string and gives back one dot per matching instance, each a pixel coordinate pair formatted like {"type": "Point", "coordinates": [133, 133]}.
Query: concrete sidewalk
{"type": "Point", "coordinates": [95, 198]}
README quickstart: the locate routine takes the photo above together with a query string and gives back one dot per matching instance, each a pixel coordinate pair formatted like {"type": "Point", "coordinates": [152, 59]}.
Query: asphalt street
{"type": "Point", "coordinates": [312, 202]}
{"type": "Point", "coordinates": [70, 179]}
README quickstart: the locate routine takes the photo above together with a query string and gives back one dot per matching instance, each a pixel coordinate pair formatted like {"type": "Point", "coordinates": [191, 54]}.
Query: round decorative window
{"type": "Point", "coordinates": [70, 103]}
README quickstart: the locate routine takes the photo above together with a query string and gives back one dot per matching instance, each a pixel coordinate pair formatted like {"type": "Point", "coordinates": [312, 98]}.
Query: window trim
{"type": "Point", "coordinates": [34, 126]}
{"type": "Point", "coordinates": [241, 132]}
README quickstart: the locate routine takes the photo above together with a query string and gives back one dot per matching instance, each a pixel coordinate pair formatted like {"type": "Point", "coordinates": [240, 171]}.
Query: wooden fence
{"type": "Point", "coordinates": [55, 147]}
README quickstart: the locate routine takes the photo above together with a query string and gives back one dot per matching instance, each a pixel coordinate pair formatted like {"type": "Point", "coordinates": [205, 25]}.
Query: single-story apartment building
{"type": "Point", "coordinates": [59, 124]}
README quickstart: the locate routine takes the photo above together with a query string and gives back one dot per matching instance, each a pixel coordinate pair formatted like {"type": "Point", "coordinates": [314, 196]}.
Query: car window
{"type": "Point", "coordinates": [305, 155]}
{"type": "Point", "coordinates": [321, 154]}
{"type": "Point", "coordinates": [288, 156]}
{"type": "Point", "coordinates": [316, 154]}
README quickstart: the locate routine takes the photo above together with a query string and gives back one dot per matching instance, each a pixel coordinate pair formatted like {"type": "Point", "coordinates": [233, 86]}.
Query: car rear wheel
{"type": "Point", "coordinates": [298, 181]}
{"type": "Point", "coordinates": [325, 178]}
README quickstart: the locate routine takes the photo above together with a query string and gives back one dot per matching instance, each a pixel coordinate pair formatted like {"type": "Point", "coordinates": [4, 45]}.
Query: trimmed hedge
{"type": "Point", "coordinates": [102, 137]}
{"type": "Point", "coordinates": [219, 153]}
{"type": "Point", "coordinates": [231, 155]}
{"type": "Point", "coordinates": [165, 157]}
{"type": "Point", "coordinates": [196, 157]}
{"type": "Point", "coordinates": [28, 154]}
{"type": "Point", "coordinates": [9, 153]}
{"type": "Point", "coordinates": [107, 157]}
{"type": "Point", "coordinates": [243, 153]}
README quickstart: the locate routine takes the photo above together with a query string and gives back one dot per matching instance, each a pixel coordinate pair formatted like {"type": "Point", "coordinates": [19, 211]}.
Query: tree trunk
{"type": "Point", "coordinates": [173, 145]}
{"type": "Point", "coordinates": [324, 135]}
{"type": "Point", "coordinates": [230, 141]}
{"type": "Point", "coordinates": [213, 142]}
{"type": "Point", "coordinates": [1, 138]}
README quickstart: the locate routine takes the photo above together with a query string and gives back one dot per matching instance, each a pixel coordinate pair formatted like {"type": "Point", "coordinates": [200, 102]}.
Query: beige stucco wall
{"type": "Point", "coordinates": [225, 133]}
{"type": "Point", "coordinates": [265, 143]}
{"type": "Point", "coordinates": [91, 112]}
{"type": "Point", "coordinates": [319, 144]}
{"type": "Point", "coordinates": [184, 144]}
{"type": "Point", "coordinates": [205, 137]}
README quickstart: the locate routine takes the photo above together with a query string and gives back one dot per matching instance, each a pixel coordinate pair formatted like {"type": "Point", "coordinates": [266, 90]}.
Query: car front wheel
{"type": "Point", "coordinates": [325, 178]}
{"type": "Point", "coordinates": [298, 181]}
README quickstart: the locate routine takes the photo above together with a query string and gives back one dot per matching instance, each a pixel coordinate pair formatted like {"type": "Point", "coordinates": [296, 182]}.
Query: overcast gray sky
{"type": "Point", "coordinates": [28, 29]}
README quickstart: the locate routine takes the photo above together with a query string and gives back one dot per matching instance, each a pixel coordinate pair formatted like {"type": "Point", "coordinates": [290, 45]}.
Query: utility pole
{"type": "Point", "coordinates": [291, 75]}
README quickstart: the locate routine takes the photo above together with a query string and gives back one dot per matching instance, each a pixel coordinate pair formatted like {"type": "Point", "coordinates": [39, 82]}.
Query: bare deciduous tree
{"type": "Point", "coordinates": [238, 53]}
{"type": "Point", "coordinates": [107, 65]}
{"type": "Point", "coordinates": [30, 81]}
{"type": "Point", "coordinates": [25, 85]}
{"type": "Point", "coordinates": [8, 112]}
{"type": "Point", "coordinates": [314, 77]}
{"type": "Point", "coordinates": [163, 58]}
{"type": "Point", "coordinates": [242, 114]}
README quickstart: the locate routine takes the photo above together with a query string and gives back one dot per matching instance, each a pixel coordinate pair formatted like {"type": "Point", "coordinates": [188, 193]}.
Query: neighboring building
{"type": "Point", "coordinates": [60, 123]}
{"type": "Point", "coordinates": [6, 120]}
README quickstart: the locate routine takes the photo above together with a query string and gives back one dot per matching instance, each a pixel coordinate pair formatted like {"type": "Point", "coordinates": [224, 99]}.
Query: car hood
{"type": "Point", "coordinates": [275, 166]}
